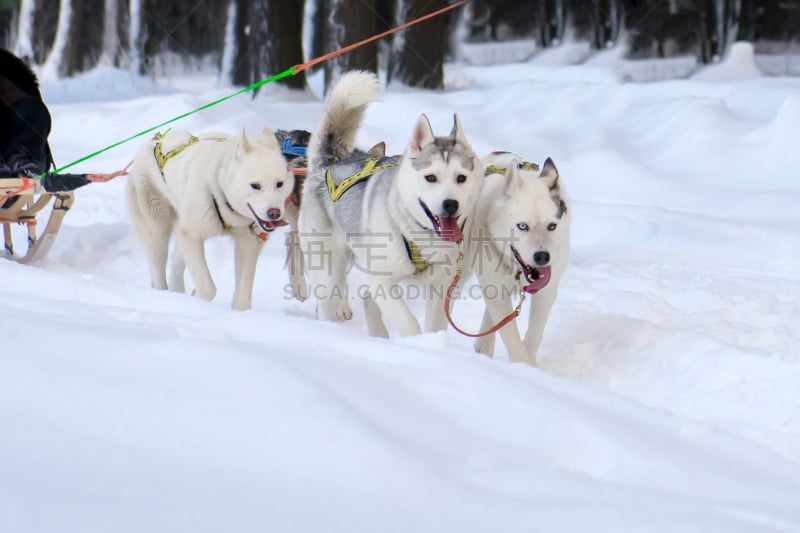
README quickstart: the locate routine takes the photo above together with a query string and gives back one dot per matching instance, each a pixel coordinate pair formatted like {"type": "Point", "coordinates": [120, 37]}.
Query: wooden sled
{"type": "Point", "coordinates": [23, 208]}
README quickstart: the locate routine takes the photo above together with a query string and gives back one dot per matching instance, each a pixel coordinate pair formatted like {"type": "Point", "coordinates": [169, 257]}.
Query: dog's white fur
{"type": "Point", "coordinates": [391, 209]}
{"type": "Point", "coordinates": [248, 179]}
{"type": "Point", "coordinates": [519, 196]}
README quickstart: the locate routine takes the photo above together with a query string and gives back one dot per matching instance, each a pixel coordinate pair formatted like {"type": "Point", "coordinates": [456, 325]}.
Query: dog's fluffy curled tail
{"type": "Point", "coordinates": [335, 135]}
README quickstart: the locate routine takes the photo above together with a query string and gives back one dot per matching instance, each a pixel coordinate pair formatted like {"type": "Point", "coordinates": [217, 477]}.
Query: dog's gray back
{"type": "Point", "coordinates": [348, 209]}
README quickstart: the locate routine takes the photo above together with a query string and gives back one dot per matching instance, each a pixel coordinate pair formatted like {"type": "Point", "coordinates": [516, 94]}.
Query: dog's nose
{"type": "Point", "coordinates": [541, 258]}
{"type": "Point", "coordinates": [274, 213]}
{"type": "Point", "coordinates": [450, 207]}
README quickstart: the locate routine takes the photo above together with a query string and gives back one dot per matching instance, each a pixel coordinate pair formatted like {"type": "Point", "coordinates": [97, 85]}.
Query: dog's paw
{"type": "Point", "coordinates": [207, 293]}
{"type": "Point", "coordinates": [344, 312]}
{"type": "Point", "coordinates": [485, 345]}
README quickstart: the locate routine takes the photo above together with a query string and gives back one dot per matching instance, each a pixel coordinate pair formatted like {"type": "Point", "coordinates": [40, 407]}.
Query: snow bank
{"type": "Point", "coordinates": [739, 64]}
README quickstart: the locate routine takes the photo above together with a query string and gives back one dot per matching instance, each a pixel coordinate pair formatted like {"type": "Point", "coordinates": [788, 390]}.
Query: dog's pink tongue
{"type": "Point", "coordinates": [270, 225]}
{"type": "Point", "coordinates": [539, 284]}
{"type": "Point", "coordinates": [450, 231]}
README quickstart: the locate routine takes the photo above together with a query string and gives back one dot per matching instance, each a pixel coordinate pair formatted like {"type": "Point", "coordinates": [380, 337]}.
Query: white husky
{"type": "Point", "coordinates": [398, 218]}
{"type": "Point", "coordinates": [200, 187]}
{"type": "Point", "coordinates": [520, 241]}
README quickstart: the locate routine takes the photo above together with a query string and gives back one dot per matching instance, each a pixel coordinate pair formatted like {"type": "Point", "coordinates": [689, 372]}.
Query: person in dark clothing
{"type": "Point", "coordinates": [24, 120]}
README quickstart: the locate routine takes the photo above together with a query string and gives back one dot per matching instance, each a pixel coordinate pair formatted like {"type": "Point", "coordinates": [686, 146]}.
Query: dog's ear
{"type": "Point", "coordinates": [550, 174]}
{"type": "Point", "coordinates": [379, 150]}
{"type": "Point", "coordinates": [422, 136]}
{"type": "Point", "coordinates": [458, 131]}
{"type": "Point", "coordinates": [242, 144]}
{"type": "Point", "coordinates": [270, 141]}
{"type": "Point", "coordinates": [512, 179]}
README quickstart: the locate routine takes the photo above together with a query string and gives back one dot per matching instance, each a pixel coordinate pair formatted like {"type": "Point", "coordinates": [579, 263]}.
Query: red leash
{"type": "Point", "coordinates": [513, 315]}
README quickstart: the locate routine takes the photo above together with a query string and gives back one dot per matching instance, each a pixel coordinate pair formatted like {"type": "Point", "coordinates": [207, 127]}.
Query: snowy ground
{"type": "Point", "coordinates": [667, 398]}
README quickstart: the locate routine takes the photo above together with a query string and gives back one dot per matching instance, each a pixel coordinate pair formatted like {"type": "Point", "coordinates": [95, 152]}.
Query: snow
{"type": "Point", "coordinates": [740, 64]}
{"type": "Point", "coordinates": [666, 398]}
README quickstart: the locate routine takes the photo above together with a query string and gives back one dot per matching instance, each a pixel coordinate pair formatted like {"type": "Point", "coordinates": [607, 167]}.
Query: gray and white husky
{"type": "Point", "coordinates": [397, 218]}
{"type": "Point", "coordinates": [520, 240]}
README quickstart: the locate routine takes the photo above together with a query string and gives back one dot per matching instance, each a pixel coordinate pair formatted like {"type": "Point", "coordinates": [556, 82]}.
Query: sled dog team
{"type": "Point", "coordinates": [418, 218]}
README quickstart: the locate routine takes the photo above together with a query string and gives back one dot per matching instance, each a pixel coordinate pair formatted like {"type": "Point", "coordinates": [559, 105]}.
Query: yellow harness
{"type": "Point", "coordinates": [162, 158]}
{"type": "Point", "coordinates": [491, 169]}
{"type": "Point", "coordinates": [415, 256]}
{"type": "Point", "coordinates": [372, 167]}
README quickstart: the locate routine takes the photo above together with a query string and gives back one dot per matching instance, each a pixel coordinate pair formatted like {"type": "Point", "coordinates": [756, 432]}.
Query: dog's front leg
{"type": "Point", "coordinates": [540, 311]}
{"type": "Point", "coordinates": [194, 253]}
{"type": "Point", "coordinates": [246, 251]}
{"type": "Point", "coordinates": [395, 311]}
{"type": "Point", "coordinates": [435, 319]}
{"type": "Point", "coordinates": [485, 344]}
{"type": "Point", "coordinates": [372, 312]}
{"type": "Point", "coordinates": [498, 306]}
{"type": "Point", "coordinates": [177, 271]}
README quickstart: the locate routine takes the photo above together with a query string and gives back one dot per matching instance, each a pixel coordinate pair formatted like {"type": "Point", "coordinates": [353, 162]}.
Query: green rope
{"type": "Point", "coordinates": [288, 72]}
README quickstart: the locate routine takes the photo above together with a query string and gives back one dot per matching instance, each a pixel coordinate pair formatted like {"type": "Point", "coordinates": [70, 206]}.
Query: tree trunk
{"type": "Point", "coordinates": [746, 21]}
{"type": "Point", "coordinates": [45, 25]}
{"type": "Point", "coordinates": [24, 46]}
{"type": "Point", "coordinates": [54, 64]}
{"type": "Point", "coordinates": [152, 32]}
{"type": "Point", "coordinates": [716, 23]}
{"type": "Point", "coordinates": [83, 47]}
{"type": "Point", "coordinates": [135, 37]}
{"type": "Point", "coordinates": [244, 65]}
{"type": "Point", "coordinates": [347, 23]}
{"type": "Point", "coordinates": [229, 48]}
{"type": "Point", "coordinates": [111, 38]}
{"type": "Point", "coordinates": [606, 17]}
{"type": "Point", "coordinates": [8, 17]}
{"type": "Point", "coordinates": [557, 21]}
{"type": "Point", "coordinates": [319, 22]}
{"type": "Point", "coordinates": [280, 40]}
{"type": "Point", "coordinates": [416, 58]}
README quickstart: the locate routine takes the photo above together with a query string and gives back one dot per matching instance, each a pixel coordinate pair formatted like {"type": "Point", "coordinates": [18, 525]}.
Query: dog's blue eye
{"type": "Point", "coordinates": [430, 178]}
{"type": "Point", "coordinates": [461, 178]}
{"type": "Point", "coordinates": [522, 226]}
{"type": "Point", "coordinates": [551, 226]}
{"type": "Point", "coordinates": [255, 186]}
{"type": "Point", "coordinates": [279, 184]}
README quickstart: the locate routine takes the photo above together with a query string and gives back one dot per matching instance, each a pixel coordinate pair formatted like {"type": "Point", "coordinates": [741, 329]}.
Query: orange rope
{"type": "Point", "coordinates": [301, 67]}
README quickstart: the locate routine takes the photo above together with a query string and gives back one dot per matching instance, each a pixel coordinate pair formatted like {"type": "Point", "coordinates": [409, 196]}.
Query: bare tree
{"type": "Point", "coordinates": [281, 39]}
{"type": "Point", "coordinates": [606, 17]}
{"type": "Point", "coordinates": [54, 64]}
{"type": "Point", "coordinates": [416, 58]}
{"type": "Point", "coordinates": [9, 11]}
{"type": "Point", "coordinates": [83, 48]}
{"type": "Point", "coordinates": [268, 40]}
{"type": "Point", "coordinates": [717, 18]}
{"type": "Point", "coordinates": [347, 22]}
{"type": "Point", "coordinates": [746, 21]}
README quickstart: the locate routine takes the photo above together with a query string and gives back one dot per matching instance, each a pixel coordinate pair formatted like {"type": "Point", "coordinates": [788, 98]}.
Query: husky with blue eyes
{"type": "Point", "coordinates": [203, 186]}
{"type": "Point", "coordinates": [519, 243]}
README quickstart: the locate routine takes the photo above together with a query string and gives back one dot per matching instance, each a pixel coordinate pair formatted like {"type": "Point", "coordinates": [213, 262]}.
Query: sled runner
{"type": "Point", "coordinates": [23, 199]}
{"type": "Point", "coordinates": [23, 202]}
